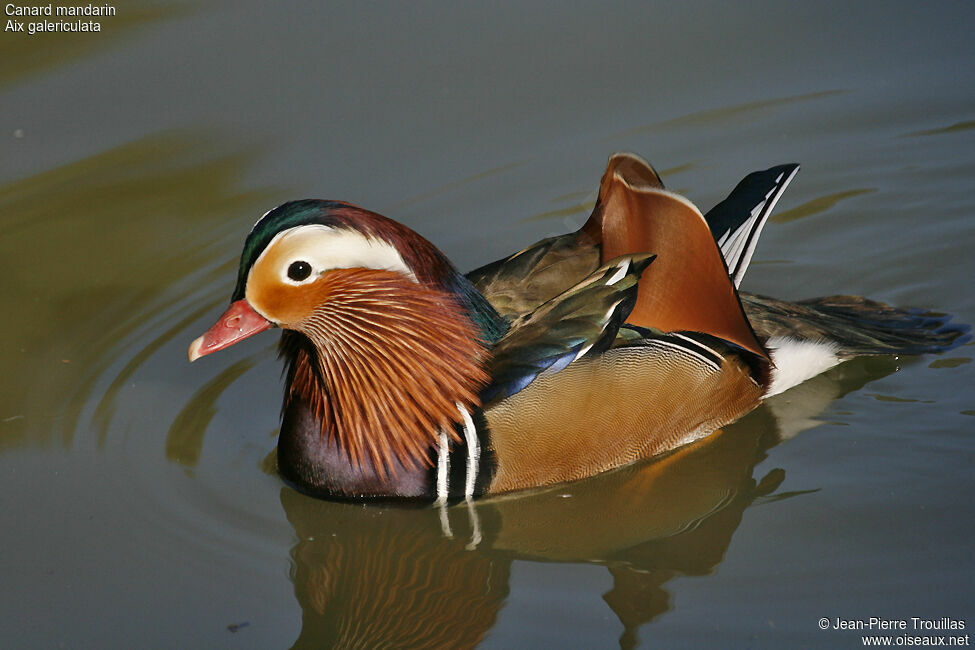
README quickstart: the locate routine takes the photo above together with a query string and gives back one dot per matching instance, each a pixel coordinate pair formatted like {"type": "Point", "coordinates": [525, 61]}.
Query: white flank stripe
{"type": "Point", "coordinates": [697, 343]}
{"type": "Point", "coordinates": [443, 466]}
{"type": "Point", "coordinates": [686, 350]}
{"type": "Point", "coordinates": [473, 450]}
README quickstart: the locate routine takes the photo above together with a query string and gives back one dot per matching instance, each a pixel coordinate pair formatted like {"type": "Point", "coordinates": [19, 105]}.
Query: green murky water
{"type": "Point", "coordinates": [138, 504]}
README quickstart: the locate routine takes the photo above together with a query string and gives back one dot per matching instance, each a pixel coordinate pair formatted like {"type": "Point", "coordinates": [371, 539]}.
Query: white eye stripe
{"type": "Point", "coordinates": [326, 248]}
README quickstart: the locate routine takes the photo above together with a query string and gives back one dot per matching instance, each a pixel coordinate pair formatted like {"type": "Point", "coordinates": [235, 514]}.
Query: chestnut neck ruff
{"type": "Point", "coordinates": [388, 363]}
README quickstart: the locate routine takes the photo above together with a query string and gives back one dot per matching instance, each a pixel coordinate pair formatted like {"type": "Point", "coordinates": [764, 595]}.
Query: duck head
{"type": "Point", "coordinates": [384, 341]}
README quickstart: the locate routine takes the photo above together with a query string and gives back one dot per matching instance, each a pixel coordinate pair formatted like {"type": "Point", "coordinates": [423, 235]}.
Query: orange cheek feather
{"type": "Point", "coordinates": [285, 304]}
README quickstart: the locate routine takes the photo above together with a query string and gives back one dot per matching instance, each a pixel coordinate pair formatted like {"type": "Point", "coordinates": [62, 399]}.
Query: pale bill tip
{"type": "Point", "coordinates": [194, 351]}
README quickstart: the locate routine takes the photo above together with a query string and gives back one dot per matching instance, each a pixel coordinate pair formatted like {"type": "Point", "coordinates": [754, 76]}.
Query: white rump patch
{"type": "Point", "coordinates": [796, 361]}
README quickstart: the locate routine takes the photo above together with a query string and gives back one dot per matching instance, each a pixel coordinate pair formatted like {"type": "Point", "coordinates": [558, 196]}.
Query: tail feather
{"type": "Point", "coordinates": [856, 325]}
{"type": "Point", "coordinates": [737, 222]}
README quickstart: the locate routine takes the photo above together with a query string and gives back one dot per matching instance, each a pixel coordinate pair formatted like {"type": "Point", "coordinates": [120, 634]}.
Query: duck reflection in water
{"type": "Point", "coordinates": [431, 578]}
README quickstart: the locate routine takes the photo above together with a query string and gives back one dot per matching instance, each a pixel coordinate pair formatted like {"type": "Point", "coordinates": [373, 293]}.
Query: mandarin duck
{"type": "Point", "coordinates": [581, 353]}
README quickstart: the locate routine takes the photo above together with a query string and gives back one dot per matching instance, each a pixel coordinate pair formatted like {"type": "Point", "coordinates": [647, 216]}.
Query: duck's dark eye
{"type": "Point", "coordinates": [298, 271]}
